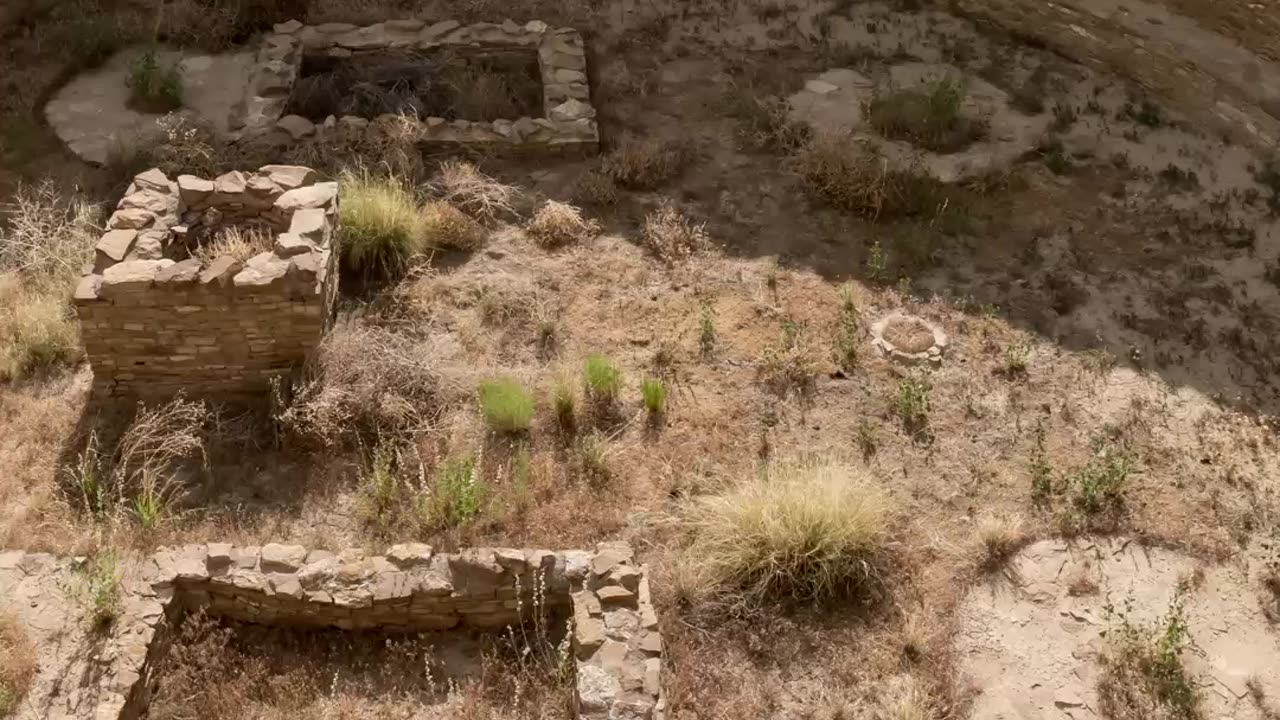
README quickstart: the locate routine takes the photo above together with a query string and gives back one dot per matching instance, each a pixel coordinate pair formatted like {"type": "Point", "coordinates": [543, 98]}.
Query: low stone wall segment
{"type": "Point", "coordinates": [615, 638]}
{"type": "Point", "coordinates": [155, 322]}
{"type": "Point", "coordinates": [567, 127]}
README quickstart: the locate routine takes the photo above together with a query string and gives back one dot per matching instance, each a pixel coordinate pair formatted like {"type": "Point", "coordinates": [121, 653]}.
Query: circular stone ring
{"type": "Point", "coordinates": [909, 339]}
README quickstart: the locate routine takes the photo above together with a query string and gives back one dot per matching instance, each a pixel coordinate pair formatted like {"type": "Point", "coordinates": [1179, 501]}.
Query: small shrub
{"type": "Point", "coordinates": [930, 117]}
{"type": "Point", "coordinates": [367, 380]}
{"type": "Point", "coordinates": [557, 223]}
{"type": "Point", "coordinates": [507, 406]}
{"type": "Point", "coordinates": [1064, 116]}
{"type": "Point", "coordinates": [1099, 485]}
{"type": "Point", "coordinates": [868, 438]}
{"type": "Point", "coordinates": [848, 332]}
{"type": "Point", "coordinates": [458, 494]}
{"type": "Point", "coordinates": [673, 237]}
{"type": "Point", "coordinates": [1015, 358]}
{"type": "Point", "coordinates": [708, 336]}
{"type": "Point", "coordinates": [595, 188]}
{"type": "Point", "coordinates": [445, 226]}
{"type": "Point", "coordinates": [602, 379]}
{"type": "Point", "coordinates": [37, 327]}
{"type": "Point", "coordinates": [153, 86]}
{"type": "Point", "coordinates": [100, 577]}
{"type": "Point", "coordinates": [591, 456]}
{"type": "Point", "coordinates": [235, 241]}
{"type": "Point", "coordinates": [17, 664]}
{"type": "Point", "coordinates": [856, 179]}
{"type": "Point", "coordinates": [655, 396]}
{"type": "Point", "coordinates": [565, 405]}
{"type": "Point", "coordinates": [382, 226]}
{"type": "Point", "coordinates": [644, 164]}
{"type": "Point", "coordinates": [765, 123]}
{"type": "Point", "coordinates": [807, 531]}
{"type": "Point", "coordinates": [1143, 677]}
{"type": "Point", "coordinates": [462, 185]}
{"type": "Point", "coordinates": [789, 366]}
{"type": "Point", "coordinates": [379, 494]}
{"type": "Point", "coordinates": [1042, 487]}
{"type": "Point", "coordinates": [999, 537]}
{"type": "Point", "coordinates": [911, 403]}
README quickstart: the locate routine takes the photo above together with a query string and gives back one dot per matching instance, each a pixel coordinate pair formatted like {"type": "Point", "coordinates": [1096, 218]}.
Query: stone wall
{"type": "Point", "coordinates": [155, 321]}
{"type": "Point", "coordinates": [568, 124]}
{"type": "Point", "coordinates": [615, 637]}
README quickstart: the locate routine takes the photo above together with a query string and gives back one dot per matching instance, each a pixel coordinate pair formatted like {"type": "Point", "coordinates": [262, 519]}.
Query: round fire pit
{"type": "Point", "coordinates": [909, 339]}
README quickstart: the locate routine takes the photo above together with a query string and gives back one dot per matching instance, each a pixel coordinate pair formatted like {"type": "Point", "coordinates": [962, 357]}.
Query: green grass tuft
{"type": "Point", "coordinates": [383, 227]}
{"type": "Point", "coordinates": [506, 404]}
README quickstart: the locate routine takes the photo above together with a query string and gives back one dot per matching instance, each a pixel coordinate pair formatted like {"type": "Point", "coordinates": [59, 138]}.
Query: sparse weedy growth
{"type": "Point", "coordinates": [558, 223]}
{"type": "Point", "coordinates": [673, 237]}
{"type": "Point", "coordinates": [931, 117]}
{"type": "Point", "coordinates": [644, 164]}
{"type": "Point", "coordinates": [154, 86]}
{"type": "Point", "coordinates": [457, 496]}
{"type": "Point", "coordinates": [462, 185]}
{"type": "Point", "coordinates": [848, 332]}
{"type": "Point", "coordinates": [911, 404]}
{"type": "Point", "coordinates": [789, 366]}
{"type": "Point", "coordinates": [1143, 674]}
{"type": "Point", "coordinates": [100, 588]}
{"type": "Point", "coordinates": [17, 664]}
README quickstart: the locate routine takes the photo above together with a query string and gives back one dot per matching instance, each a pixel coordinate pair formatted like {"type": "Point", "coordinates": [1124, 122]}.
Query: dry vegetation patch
{"type": "Point", "coordinates": [805, 531]}
{"type": "Point", "coordinates": [853, 177]}
{"type": "Point", "coordinates": [17, 664]}
{"type": "Point", "coordinates": [235, 241]}
{"type": "Point", "coordinates": [556, 224]}
{"type": "Point", "coordinates": [929, 117]}
{"type": "Point", "coordinates": [1143, 676]}
{"type": "Point", "coordinates": [462, 185]}
{"type": "Point", "coordinates": [645, 164]}
{"type": "Point", "coordinates": [671, 236]}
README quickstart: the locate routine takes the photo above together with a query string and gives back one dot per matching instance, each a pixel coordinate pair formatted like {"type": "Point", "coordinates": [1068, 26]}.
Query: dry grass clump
{"type": "Point", "coordinates": [805, 531]}
{"type": "Point", "coordinates": [235, 241]}
{"type": "Point", "coordinates": [367, 379]}
{"type": "Point", "coordinates": [1143, 677]}
{"type": "Point", "coordinates": [462, 185]}
{"type": "Point", "coordinates": [645, 164]}
{"type": "Point", "coordinates": [45, 239]}
{"type": "Point", "coordinates": [556, 224]}
{"type": "Point", "coordinates": [854, 178]}
{"type": "Point", "coordinates": [672, 236]}
{"type": "Point", "coordinates": [929, 117]}
{"type": "Point", "coordinates": [594, 188]}
{"type": "Point", "coordinates": [790, 366]}
{"type": "Point", "coordinates": [17, 664]}
{"type": "Point", "coordinates": [134, 478]}
{"type": "Point", "coordinates": [765, 123]}
{"type": "Point", "coordinates": [447, 227]}
{"type": "Point", "coordinates": [382, 225]}
{"type": "Point", "coordinates": [999, 537]}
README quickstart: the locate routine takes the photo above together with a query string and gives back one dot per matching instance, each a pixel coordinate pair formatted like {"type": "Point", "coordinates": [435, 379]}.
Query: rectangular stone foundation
{"type": "Point", "coordinates": [567, 125]}
{"type": "Point", "coordinates": [153, 323]}
{"type": "Point", "coordinates": [615, 637]}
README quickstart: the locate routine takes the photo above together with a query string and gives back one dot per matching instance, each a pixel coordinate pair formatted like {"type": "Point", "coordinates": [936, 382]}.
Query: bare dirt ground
{"type": "Point", "coordinates": [1113, 288]}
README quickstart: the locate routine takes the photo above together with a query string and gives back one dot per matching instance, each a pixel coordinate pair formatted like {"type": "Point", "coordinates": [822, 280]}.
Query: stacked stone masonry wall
{"type": "Point", "coordinates": [567, 127]}
{"type": "Point", "coordinates": [155, 322]}
{"type": "Point", "coordinates": [615, 637]}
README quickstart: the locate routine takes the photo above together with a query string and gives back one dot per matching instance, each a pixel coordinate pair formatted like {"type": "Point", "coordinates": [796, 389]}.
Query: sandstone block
{"type": "Point", "coordinates": [150, 245]}
{"type": "Point", "coordinates": [221, 271]}
{"type": "Point", "coordinates": [408, 555]}
{"type": "Point", "coordinates": [314, 196]}
{"type": "Point", "coordinates": [572, 109]}
{"type": "Point", "coordinates": [115, 244]}
{"type": "Point", "coordinates": [287, 245]}
{"type": "Point", "coordinates": [297, 126]}
{"type": "Point", "coordinates": [262, 270]}
{"type": "Point", "coordinates": [184, 272]}
{"type": "Point", "coordinates": [131, 275]}
{"type": "Point", "coordinates": [87, 288]}
{"type": "Point", "coordinates": [290, 177]}
{"type": "Point", "coordinates": [194, 189]}
{"type": "Point", "coordinates": [311, 224]}
{"type": "Point", "coordinates": [615, 594]}
{"type": "Point", "coordinates": [282, 558]}
{"type": "Point", "coordinates": [232, 183]}
{"type": "Point", "coordinates": [153, 179]}
{"type": "Point", "coordinates": [131, 219]}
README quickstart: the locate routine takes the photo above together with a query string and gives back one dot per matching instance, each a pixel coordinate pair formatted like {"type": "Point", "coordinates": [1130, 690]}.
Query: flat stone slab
{"type": "Point", "coordinates": [91, 113]}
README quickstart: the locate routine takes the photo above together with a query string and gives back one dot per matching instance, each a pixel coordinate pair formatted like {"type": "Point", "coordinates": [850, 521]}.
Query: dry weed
{"type": "Point", "coordinates": [855, 178]}
{"type": "Point", "coordinates": [447, 227]}
{"type": "Point", "coordinates": [462, 185]}
{"type": "Point", "coordinates": [907, 699]}
{"type": "Point", "coordinates": [999, 537]}
{"type": "Point", "coordinates": [17, 664]}
{"type": "Point", "coordinates": [46, 232]}
{"type": "Point", "coordinates": [369, 380]}
{"type": "Point", "coordinates": [790, 366]}
{"type": "Point", "coordinates": [673, 237]}
{"type": "Point", "coordinates": [645, 164]}
{"type": "Point", "coordinates": [1143, 677]}
{"type": "Point", "coordinates": [557, 223]}
{"type": "Point", "coordinates": [238, 242]}
{"type": "Point", "coordinates": [594, 188]}
{"type": "Point", "coordinates": [38, 330]}
{"type": "Point", "coordinates": [803, 530]}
